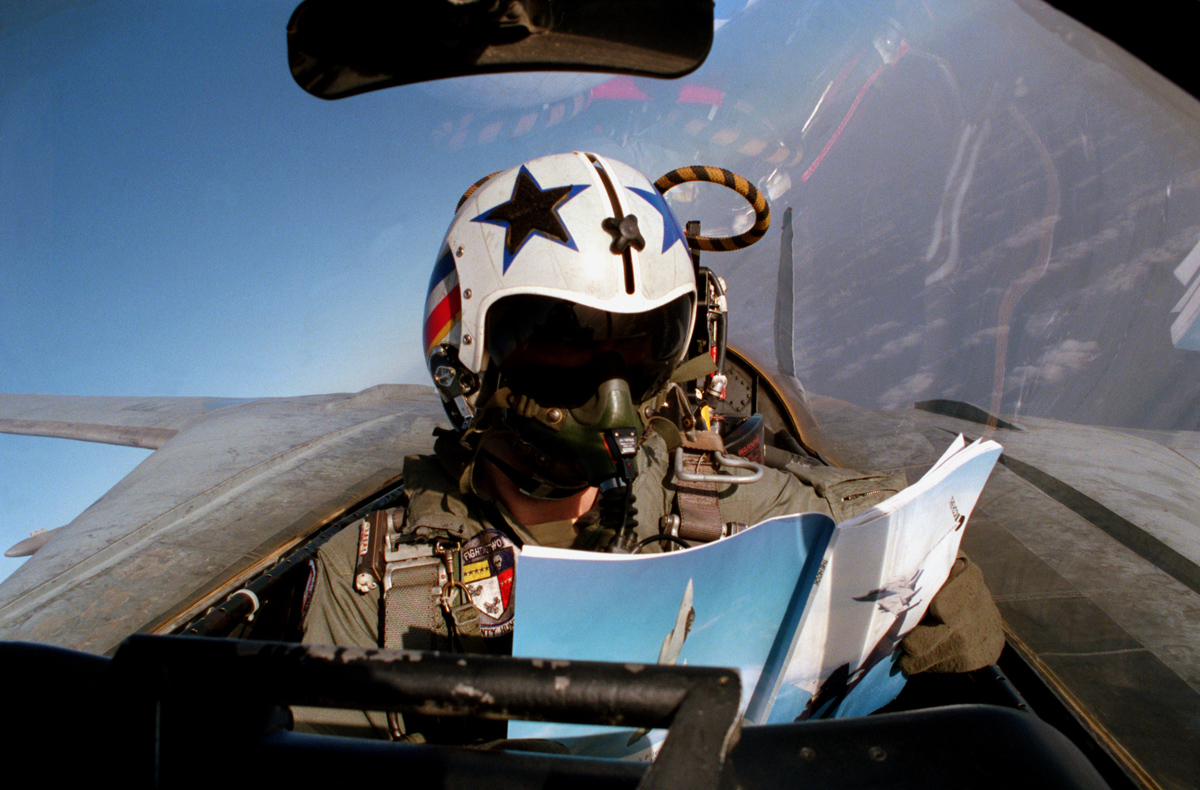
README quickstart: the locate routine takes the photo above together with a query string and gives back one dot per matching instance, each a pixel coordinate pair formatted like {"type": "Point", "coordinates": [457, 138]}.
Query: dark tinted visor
{"type": "Point", "coordinates": [558, 352]}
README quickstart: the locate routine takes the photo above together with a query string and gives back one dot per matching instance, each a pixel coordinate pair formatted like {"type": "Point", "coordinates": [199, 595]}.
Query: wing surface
{"type": "Point", "coordinates": [129, 421]}
{"type": "Point", "coordinates": [1082, 536]}
{"type": "Point", "coordinates": [213, 504]}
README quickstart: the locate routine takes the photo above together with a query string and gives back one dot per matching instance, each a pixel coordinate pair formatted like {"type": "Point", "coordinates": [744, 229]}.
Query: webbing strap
{"type": "Point", "coordinates": [699, 508]}
{"type": "Point", "coordinates": [412, 617]}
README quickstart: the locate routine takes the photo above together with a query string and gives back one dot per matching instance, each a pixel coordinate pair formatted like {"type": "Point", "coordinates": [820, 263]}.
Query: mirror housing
{"type": "Point", "coordinates": [339, 48]}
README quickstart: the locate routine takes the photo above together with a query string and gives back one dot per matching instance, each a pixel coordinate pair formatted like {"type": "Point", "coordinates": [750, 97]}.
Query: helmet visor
{"type": "Point", "coordinates": [559, 352]}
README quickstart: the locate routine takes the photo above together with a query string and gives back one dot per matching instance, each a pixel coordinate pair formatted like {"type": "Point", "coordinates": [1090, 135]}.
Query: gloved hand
{"type": "Point", "coordinates": [961, 631]}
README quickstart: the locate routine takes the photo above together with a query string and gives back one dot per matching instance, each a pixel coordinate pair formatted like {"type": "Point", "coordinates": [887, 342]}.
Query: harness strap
{"type": "Point", "coordinates": [699, 508]}
{"type": "Point", "coordinates": [412, 613]}
{"type": "Point", "coordinates": [425, 604]}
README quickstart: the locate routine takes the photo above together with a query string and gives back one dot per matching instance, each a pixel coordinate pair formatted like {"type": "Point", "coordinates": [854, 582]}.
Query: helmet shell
{"type": "Point", "coordinates": [538, 229]}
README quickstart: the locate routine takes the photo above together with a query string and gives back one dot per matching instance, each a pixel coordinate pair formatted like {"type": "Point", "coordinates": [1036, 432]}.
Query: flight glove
{"type": "Point", "coordinates": [961, 631]}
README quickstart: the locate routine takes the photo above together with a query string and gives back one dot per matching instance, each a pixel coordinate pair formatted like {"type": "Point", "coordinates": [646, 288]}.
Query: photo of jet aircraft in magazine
{"type": "Point", "coordinates": [809, 612]}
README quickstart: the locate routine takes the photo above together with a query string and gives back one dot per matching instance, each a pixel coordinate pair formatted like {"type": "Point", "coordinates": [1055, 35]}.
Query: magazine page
{"type": "Point", "coordinates": [955, 447]}
{"type": "Point", "coordinates": [730, 603]}
{"type": "Point", "coordinates": [882, 569]}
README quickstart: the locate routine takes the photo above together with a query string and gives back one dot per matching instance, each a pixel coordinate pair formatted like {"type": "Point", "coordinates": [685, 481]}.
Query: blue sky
{"type": "Point", "coordinates": [177, 217]}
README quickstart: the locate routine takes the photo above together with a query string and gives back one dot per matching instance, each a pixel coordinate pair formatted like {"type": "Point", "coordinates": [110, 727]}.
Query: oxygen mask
{"type": "Point", "coordinates": [566, 450]}
{"type": "Point", "coordinates": [574, 380]}
{"type": "Point", "coordinates": [574, 448]}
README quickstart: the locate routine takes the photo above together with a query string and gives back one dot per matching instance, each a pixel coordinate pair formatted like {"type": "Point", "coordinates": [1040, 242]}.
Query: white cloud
{"type": "Point", "coordinates": [902, 395]}
{"type": "Point", "coordinates": [1060, 361]}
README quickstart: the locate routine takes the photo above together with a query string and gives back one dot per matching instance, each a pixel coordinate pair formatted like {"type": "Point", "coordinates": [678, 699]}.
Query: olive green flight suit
{"type": "Point", "coordinates": [966, 636]}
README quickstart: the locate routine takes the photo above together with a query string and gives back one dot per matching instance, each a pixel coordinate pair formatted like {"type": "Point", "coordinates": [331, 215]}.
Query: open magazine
{"type": "Point", "coordinates": [809, 612]}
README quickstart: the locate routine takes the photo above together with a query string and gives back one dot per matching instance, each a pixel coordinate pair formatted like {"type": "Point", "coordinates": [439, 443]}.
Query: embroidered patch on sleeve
{"type": "Point", "coordinates": [489, 561]}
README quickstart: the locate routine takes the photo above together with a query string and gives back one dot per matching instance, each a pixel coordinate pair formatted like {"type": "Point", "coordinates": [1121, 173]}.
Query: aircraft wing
{"type": "Point", "coordinates": [1084, 536]}
{"type": "Point", "coordinates": [131, 422]}
{"type": "Point", "coordinates": [229, 485]}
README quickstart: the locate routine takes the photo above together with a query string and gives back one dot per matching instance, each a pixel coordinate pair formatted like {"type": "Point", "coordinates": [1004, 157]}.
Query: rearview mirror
{"type": "Point", "coordinates": [338, 48]}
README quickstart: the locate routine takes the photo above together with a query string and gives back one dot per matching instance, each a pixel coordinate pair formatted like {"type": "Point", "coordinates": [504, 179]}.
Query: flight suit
{"type": "Point", "coordinates": [967, 636]}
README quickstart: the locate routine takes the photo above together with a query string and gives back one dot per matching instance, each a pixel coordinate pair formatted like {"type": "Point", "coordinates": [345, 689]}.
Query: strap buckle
{"type": "Point", "coordinates": [725, 461]}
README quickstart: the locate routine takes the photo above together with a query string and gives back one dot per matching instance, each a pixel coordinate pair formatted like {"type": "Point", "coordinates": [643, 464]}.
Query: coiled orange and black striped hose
{"type": "Point", "coordinates": [727, 178]}
{"type": "Point", "coordinates": [471, 190]}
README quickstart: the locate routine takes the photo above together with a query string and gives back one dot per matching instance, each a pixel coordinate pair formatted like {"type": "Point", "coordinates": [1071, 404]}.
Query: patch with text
{"type": "Point", "coordinates": [488, 563]}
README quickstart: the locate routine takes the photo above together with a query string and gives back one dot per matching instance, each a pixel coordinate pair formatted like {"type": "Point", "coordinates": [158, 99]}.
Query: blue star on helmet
{"type": "Point", "coordinates": [671, 230]}
{"type": "Point", "coordinates": [531, 211]}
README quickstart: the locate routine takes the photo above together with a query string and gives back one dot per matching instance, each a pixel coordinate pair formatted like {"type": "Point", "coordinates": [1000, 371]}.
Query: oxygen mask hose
{"type": "Point", "coordinates": [617, 511]}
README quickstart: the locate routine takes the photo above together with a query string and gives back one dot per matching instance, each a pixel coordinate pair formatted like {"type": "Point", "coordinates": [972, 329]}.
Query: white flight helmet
{"type": "Point", "coordinates": [555, 277]}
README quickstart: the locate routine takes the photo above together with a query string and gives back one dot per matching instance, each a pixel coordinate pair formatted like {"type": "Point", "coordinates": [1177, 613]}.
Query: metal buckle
{"type": "Point", "coordinates": [724, 461]}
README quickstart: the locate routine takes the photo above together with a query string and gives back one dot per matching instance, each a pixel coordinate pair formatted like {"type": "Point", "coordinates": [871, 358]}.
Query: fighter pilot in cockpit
{"type": "Point", "coordinates": [558, 330]}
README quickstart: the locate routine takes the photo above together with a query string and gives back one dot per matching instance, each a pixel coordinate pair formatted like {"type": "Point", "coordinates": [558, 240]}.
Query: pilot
{"type": "Point", "coordinates": [559, 318]}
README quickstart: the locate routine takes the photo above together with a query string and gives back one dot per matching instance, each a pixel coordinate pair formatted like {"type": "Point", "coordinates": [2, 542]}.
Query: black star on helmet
{"type": "Point", "coordinates": [531, 210]}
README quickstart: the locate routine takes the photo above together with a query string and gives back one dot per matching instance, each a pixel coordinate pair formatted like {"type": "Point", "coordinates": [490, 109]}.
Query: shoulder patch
{"type": "Point", "coordinates": [489, 562]}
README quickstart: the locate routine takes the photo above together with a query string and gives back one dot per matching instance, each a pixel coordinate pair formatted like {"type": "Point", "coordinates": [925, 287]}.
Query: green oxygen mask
{"type": "Point", "coordinates": [572, 379]}
{"type": "Point", "coordinates": [591, 444]}
{"type": "Point", "coordinates": [566, 450]}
